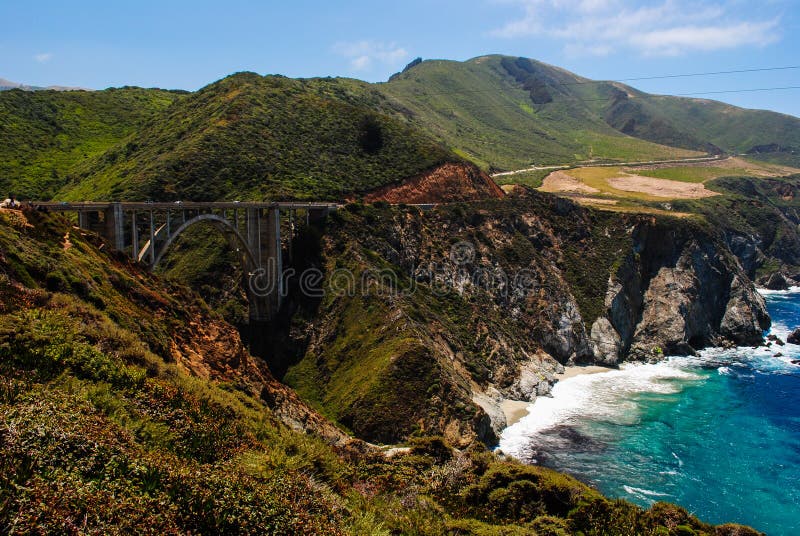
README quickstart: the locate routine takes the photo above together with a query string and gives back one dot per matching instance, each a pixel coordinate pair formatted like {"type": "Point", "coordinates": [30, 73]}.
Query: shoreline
{"type": "Point", "coordinates": [516, 410]}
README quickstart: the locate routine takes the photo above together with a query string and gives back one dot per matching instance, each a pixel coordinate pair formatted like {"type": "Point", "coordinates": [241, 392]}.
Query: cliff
{"type": "Point", "coordinates": [445, 313]}
{"type": "Point", "coordinates": [759, 219]}
{"type": "Point", "coordinates": [128, 407]}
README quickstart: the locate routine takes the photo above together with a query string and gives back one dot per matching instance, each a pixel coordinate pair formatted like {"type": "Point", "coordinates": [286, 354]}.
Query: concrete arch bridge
{"type": "Point", "coordinates": [146, 231]}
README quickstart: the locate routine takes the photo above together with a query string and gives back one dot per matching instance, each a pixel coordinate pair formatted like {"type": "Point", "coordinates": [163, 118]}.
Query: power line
{"type": "Point", "coordinates": [734, 91]}
{"type": "Point", "coordinates": [643, 96]}
{"type": "Point", "coordinates": [641, 78]}
{"type": "Point", "coordinates": [708, 73]}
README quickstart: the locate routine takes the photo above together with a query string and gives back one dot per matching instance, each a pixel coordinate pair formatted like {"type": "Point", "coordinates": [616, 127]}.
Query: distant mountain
{"type": "Point", "coordinates": [8, 84]}
{"type": "Point", "coordinates": [508, 113]}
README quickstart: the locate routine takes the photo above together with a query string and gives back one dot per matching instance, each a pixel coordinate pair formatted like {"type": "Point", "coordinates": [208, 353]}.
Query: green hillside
{"type": "Point", "coordinates": [509, 113]}
{"type": "Point", "coordinates": [692, 123]}
{"type": "Point", "coordinates": [253, 137]}
{"type": "Point", "coordinates": [44, 135]}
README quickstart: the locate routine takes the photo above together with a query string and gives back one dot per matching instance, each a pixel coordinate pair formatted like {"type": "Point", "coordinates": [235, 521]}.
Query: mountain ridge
{"type": "Point", "coordinates": [611, 110]}
{"type": "Point", "coordinates": [301, 138]}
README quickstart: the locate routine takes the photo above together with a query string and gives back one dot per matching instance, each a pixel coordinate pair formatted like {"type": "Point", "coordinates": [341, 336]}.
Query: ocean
{"type": "Point", "coordinates": [718, 434]}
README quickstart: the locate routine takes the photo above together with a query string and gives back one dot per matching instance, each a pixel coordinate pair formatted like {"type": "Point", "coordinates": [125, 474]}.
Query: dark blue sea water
{"type": "Point", "coordinates": [718, 434]}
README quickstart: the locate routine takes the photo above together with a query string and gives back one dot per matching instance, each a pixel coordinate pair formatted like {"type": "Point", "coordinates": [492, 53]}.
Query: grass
{"type": "Point", "coordinates": [532, 179]}
{"type": "Point", "coordinates": [478, 108]}
{"type": "Point", "coordinates": [692, 173]}
{"type": "Point", "coordinates": [597, 177]}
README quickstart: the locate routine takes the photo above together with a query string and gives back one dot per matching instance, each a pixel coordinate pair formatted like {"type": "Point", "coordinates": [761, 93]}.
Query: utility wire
{"type": "Point", "coordinates": [517, 106]}
{"type": "Point", "coordinates": [569, 98]}
{"type": "Point", "coordinates": [706, 74]}
{"type": "Point", "coordinates": [735, 91]}
{"type": "Point", "coordinates": [641, 78]}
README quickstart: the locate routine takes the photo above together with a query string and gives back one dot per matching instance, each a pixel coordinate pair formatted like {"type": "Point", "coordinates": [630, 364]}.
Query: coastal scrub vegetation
{"type": "Point", "coordinates": [109, 426]}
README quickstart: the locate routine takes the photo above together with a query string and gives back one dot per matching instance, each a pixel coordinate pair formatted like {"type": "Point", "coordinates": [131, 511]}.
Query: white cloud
{"type": "Point", "coordinates": [363, 54]}
{"type": "Point", "coordinates": [43, 57]}
{"type": "Point", "coordinates": [666, 27]}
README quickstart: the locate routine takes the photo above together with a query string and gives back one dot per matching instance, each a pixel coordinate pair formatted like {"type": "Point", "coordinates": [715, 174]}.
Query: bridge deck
{"type": "Point", "coordinates": [55, 206]}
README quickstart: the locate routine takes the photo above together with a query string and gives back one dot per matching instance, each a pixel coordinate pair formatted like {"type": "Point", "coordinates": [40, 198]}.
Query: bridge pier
{"type": "Point", "coordinates": [114, 226]}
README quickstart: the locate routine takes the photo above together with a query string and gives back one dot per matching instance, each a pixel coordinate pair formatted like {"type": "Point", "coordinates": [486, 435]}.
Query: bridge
{"type": "Point", "coordinates": [145, 231]}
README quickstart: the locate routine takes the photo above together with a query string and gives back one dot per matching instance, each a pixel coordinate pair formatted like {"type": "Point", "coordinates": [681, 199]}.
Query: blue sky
{"type": "Point", "coordinates": [187, 44]}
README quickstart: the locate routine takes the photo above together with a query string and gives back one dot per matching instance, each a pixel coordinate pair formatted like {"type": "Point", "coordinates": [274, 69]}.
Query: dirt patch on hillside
{"type": "Point", "coordinates": [660, 187]}
{"type": "Point", "coordinates": [448, 183]}
{"type": "Point", "coordinates": [560, 182]}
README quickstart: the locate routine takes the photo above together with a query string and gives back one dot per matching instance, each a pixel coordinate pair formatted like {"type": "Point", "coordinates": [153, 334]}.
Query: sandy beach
{"type": "Point", "coordinates": [578, 370]}
{"type": "Point", "coordinates": [515, 410]}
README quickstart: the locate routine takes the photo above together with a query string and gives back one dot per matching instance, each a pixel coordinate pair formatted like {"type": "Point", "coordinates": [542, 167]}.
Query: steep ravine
{"type": "Point", "coordinates": [451, 311]}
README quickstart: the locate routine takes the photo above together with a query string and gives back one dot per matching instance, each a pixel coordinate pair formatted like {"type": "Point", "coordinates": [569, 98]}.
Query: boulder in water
{"type": "Point", "coordinates": [777, 281]}
{"type": "Point", "coordinates": [794, 337]}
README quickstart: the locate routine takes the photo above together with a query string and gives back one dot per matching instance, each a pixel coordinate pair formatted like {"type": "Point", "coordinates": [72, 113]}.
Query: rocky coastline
{"type": "Point", "coordinates": [601, 288]}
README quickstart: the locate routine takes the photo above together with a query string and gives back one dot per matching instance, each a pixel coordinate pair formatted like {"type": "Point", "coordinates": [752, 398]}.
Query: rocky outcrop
{"type": "Point", "coordinates": [794, 337]}
{"type": "Point", "coordinates": [777, 281]}
{"type": "Point", "coordinates": [447, 183]}
{"type": "Point", "coordinates": [607, 342]}
{"type": "Point", "coordinates": [679, 290]}
{"type": "Point", "coordinates": [496, 297]}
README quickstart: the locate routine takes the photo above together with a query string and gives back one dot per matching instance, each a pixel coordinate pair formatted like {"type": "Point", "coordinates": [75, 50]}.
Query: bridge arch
{"type": "Point", "coordinates": [226, 228]}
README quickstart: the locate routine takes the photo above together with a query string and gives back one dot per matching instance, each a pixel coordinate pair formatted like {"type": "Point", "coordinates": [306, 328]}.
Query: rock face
{"type": "Point", "coordinates": [607, 342]}
{"type": "Point", "coordinates": [776, 281]}
{"type": "Point", "coordinates": [447, 183]}
{"type": "Point", "coordinates": [747, 250]}
{"type": "Point", "coordinates": [496, 297]}
{"type": "Point", "coordinates": [679, 291]}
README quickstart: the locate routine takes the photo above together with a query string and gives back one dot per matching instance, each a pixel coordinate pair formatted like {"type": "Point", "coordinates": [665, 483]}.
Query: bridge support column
{"type": "Point", "coordinates": [134, 237]}
{"type": "Point", "coordinates": [83, 219]}
{"type": "Point", "coordinates": [263, 235]}
{"type": "Point", "coordinates": [274, 255]}
{"type": "Point", "coordinates": [317, 214]}
{"type": "Point", "coordinates": [114, 230]}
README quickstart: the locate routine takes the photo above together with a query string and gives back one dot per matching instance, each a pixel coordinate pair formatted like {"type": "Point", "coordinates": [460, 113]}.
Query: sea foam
{"type": "Point", "coordinates": [603, 397]}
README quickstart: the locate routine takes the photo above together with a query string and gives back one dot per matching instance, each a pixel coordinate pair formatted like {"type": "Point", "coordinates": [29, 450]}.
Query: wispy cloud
{"type": "Point", "coordinates": [665, 28]}
{"type": "Point", "coordinates": [364, 54]}
{"type": "Point", "coordinates": [43, 57]}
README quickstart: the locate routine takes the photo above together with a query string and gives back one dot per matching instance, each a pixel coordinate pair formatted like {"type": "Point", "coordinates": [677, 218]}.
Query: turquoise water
{"type": "Point", "coordinates": [718, 434]}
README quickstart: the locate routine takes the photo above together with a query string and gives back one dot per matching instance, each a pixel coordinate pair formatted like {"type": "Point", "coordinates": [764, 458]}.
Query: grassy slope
{"type": "Point", "coordinates": [102, 433]}
{"type": "Point", "coordinates": [508, 112]}
{"type": "Point", "coordinates": [481, 110]}
{"type": "Point", "coordinates": [731, 128]}
{"type": "Point", "coordinates": [253, 137]}
{"type": "Point", "coordinates": [690, 123]}
{"type": "Point", "coordinates": [44, 135]}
